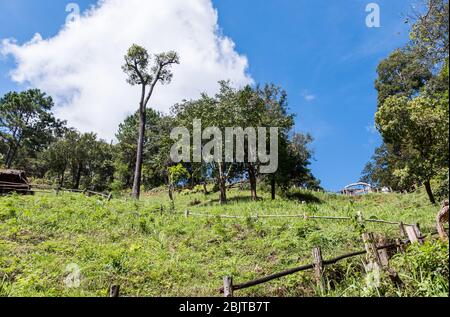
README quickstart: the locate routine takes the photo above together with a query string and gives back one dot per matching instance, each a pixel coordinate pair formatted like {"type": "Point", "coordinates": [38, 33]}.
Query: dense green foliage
{"type": "Point", "coordinates": [152, 251]}
{"type": "Point", "coordinates": [67, 158]}
{"type": "Point", "coordinates": [413, 109]}
{"type": "Point", "coordinates": [27, 127]}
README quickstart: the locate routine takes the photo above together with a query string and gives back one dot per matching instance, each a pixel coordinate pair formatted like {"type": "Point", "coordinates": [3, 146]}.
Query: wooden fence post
{"type": "Point", "coordinates": [186, 213]}
{"type": "Point", "coordinates": [361, 220]}
{"type": "Point", "coordinates": [418, 233]}
{"type": "Point", "coordinates": [360, 217]}
{"type": "Point", "coordinates": [228, 286]}
{"type": "Point", "coordinates": [402, 230]}
{"type": "Point", "coordinates": [412, 234]}
{"type": "Point", "coordinates": [318, 268]}
{"type": "Point", "coordinates": [384, 256]}
{"type": "Point", "coordinates": [380, 260]}
{"type": "Point", "coordinates": [114, 291]}
{"type": "Point", "coordinates": [373, 257]}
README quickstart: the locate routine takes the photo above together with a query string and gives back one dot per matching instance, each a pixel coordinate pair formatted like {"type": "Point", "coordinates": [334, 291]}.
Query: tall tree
{"type": "Point", "coordinates": [413, 99]}
{"type": "Point", "coordinates": [27, 126]}
{"type": "Point", "coordinates": [137, 62]}
{"type": "Point", "coordinates": [421, 126]}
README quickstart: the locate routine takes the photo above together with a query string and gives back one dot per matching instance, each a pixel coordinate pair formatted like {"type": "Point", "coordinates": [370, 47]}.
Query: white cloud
{"type": "Point", "coordinates": [80, 66]}
{"type": "Point", "coordinates": [308, 96]}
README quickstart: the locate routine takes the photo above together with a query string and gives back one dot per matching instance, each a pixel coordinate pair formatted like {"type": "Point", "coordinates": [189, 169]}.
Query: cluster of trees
{"type": "Point", "coordinates": [263, 107]}
{"type": "Point", "coordinates": [32, 138]}
{"type": "Point", "coordinates": [413, 109]}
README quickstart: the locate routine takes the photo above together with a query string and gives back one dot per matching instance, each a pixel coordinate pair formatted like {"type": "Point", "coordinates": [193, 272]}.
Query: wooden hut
{"type": "Point", "coordinates": [13, 181]}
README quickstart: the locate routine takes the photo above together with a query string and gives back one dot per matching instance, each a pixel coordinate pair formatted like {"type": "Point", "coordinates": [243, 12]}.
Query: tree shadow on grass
{"type": "Point", "coordinates": [301, 196]}
{"type": "Point", "coordinates": [231, 200]}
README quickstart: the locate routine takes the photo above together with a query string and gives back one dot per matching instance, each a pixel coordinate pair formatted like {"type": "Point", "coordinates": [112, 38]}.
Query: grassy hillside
{"type": "Point", "coordinates": [152, 251]}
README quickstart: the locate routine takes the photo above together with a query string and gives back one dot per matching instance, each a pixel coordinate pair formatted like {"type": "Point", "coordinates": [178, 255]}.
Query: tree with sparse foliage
{"type": "Point", "coordinates": [140, 72]}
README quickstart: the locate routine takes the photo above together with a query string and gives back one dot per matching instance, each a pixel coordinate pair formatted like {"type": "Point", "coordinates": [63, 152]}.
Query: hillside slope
{"type": "Point", "coordinates": [152, 251]}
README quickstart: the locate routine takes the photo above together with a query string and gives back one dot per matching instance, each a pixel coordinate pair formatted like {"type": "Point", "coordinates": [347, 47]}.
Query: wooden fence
{"type": "Point", "coordinates": [377, 257]}
{"type": "Point", "coordinates": [303, 216]}
{"type": "Point", "coordinates": [46, 189]}
{"type": "Point", "coordinates": [376, 254]}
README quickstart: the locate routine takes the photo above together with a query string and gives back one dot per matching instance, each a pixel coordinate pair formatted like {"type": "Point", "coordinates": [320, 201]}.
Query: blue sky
{"type": "Point", "coordinates": [320, 52]}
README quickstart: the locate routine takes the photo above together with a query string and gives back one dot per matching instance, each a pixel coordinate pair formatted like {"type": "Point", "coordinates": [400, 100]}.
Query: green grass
{"type": "Point", "coordinates": [152, 250]}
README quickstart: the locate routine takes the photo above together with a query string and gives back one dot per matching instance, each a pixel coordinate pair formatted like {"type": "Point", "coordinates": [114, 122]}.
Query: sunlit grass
{"type": "Point", "coordinates": [152, 250]}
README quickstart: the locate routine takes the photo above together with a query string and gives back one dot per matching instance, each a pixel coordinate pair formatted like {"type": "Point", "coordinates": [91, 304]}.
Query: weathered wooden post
{"type": "Point", "coordinates": [441, 218]}
{"type": "Point", "coordinates": [402, 230]}
{"type": "Point", "coordinates": [109, 197]}
{"type": "Point", "coordinates": [418, 233]}
{"type": "Point", "coordinates": [373, 257]}
{"type": "Point", "coordinates": [228, 286]}
{"type": "Point", "coordinates": [114, 291]}
{"type": "Point", "coordinates": [360, 218]}
{"type": "Point", "coordinates": [379, 259]}
{"type": "Point", "coordinates": [318, 268]}
{"type": "Point", "coordinates": [384, 256]}
{"type": "Point", "coordinates": [187, 213]}
{"type": "Point", "coordinates": [412, 234]}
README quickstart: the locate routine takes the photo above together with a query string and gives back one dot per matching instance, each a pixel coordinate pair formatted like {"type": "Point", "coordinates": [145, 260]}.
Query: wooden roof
{"type": "Point", "coordinates": [8, 175]}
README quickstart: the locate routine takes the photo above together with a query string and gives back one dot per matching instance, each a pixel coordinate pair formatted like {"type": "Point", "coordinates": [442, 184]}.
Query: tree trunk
{"type": "Point", "coordinates": [78, 176]}
{"type": "Point", "coordinates": [10, 156]}
{"type": "Point", "coordinates": [252, 179]}
{"type": "Point", "coordinates": [430, 192]}
{"type": "Point", "coordinates": [62, 179]}
{"type": "Point", "coordinates": [7, 157]}
{"type": "Point", "coordinates": [140, 151]}
{"type": "Point", "coordinates": [222, 185]}
{"type": "Point", "coordinates": [273, 187]}
{"type": "Point", "coordinates": [171, 192]}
